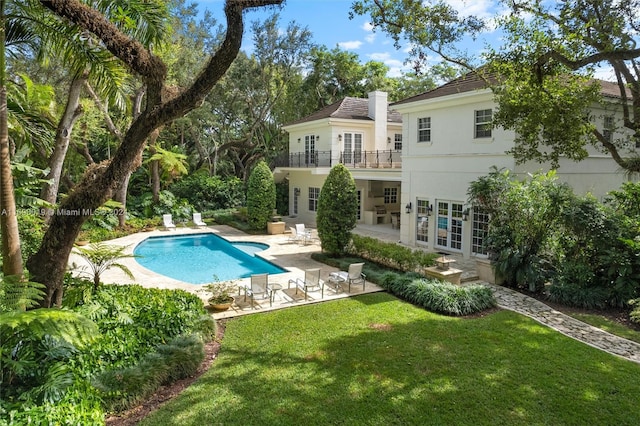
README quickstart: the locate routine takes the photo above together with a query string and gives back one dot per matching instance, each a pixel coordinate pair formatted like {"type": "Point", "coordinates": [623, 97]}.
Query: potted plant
{"type": "Point", "coordinates": [220, 294]}
{"type": "Point", "coordinates": [82, 239]}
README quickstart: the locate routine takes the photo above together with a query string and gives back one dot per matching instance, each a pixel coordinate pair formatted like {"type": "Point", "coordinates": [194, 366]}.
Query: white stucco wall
{"type": "Point", "coordinates": [442, 169]}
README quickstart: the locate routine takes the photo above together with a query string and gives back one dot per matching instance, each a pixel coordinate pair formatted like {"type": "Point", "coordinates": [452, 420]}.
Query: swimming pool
{"type": "Point", "coordinates": [203, 258]}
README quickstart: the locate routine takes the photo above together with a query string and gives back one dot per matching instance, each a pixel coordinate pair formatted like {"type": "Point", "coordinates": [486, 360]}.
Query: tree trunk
{"type": "Point", "coordinates": [49, 263]}
{"type": "Point", "coordinates": [72, 112]}
{"type": "Point", "coordinates": [155, 167]}
{"type": "Point", "coordinates": [11, 254]}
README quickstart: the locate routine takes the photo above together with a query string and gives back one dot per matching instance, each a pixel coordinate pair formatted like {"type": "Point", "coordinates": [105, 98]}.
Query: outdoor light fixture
{"type": "Point", "coordinates": [408, 207]}
{"type": "Point", "coordinates": [298, 140]}
{"type": "Point", "coordinates": [340, 137]}
{"type": "Point", "coordinates": [465, 214]}
{"type": "Point", "coordinates": [318, 137]}
{"type": "Point", "coordinates": [296, 191]}
{"type": "Point", "coordinates": [388, 140]}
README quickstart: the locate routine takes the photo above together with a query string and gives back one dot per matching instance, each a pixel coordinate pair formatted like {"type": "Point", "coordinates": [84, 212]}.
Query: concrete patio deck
{"type": "Point", "coordinates": [293, 257]}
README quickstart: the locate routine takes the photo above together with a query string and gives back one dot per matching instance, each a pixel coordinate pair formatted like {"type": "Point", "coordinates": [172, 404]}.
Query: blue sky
{"type": "Point", "coordinates": [328, 21]}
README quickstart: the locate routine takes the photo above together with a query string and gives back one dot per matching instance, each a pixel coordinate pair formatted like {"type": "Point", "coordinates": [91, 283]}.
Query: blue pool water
{"type": "Point", "coordinates": [198, 258]}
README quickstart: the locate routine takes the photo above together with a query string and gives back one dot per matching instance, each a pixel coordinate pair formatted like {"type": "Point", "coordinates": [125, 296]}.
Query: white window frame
{"type": "Point", "coordinates": [310, 149]}
{"type": "Point", "coordinates": [608, 127]}
{"type": "Point", "coordinates": [397, 141]}
{"type": "Point", "coordinates": [482, 128]}
{"type": "Point", "coordinates": [424, 129]}
{"type": "Point", "coordinates": [314, 195]}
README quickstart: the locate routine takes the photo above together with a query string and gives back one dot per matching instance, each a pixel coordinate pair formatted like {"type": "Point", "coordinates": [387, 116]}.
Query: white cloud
{"type": "Point", "coordinates": [367, 27]}
{"type": "Point", "coordinates": [396, 67]}
{"type": "Point", "coordinates": [480, 8]}
{"type": "Point", "coordinates": [350, 45]}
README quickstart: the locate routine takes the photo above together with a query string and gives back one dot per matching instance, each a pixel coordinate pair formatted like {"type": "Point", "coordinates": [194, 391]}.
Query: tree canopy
{"type": "Point", "coordinates": [550, 55]}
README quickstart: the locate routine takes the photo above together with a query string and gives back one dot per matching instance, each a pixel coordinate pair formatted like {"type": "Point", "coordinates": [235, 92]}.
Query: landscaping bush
{"type": "Point", "coordinates": [122, 388]}
{"type": "Point", "coordinates": [206, 192]}
{"type": "Point", "coordinates": [261, 196]}
{"type": "Point", "coordinates": [391, 254]}
{"type": "Point", "coordinates": [439, 296]}
{"type": "Point", "coordinates": [337, 210]}
{"type": "Point", "coordinates": [433, 295]}
{"type": "Point", "coordinates": [134, 320]}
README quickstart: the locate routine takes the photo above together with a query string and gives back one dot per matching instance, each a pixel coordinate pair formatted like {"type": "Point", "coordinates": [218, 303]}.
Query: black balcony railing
{"type": "Point", "coordinates": [355, 159]}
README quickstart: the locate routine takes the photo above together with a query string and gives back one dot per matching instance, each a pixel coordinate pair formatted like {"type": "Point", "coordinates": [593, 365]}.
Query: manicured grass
{"type": "Point", "coordinates": [375, 360]}
{"type": "Point", "coordinates": [607, 325]}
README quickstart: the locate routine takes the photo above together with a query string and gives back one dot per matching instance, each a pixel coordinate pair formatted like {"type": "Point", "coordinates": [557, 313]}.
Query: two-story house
{"type": "Point", "coordinates": [364, 135]}
{"type": "Point", "coordinates": [448, 142]}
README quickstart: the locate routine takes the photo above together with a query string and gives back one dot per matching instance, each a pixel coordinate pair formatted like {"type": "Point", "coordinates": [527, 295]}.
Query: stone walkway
{"type": "Point", "coordinates": [592, 336]}
{"type": "Point", "coordinates": [538, 311]}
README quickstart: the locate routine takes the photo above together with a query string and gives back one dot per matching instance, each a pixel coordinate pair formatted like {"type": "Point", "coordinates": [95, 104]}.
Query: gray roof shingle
{"type": "Point", "coordinates": [348, 108]}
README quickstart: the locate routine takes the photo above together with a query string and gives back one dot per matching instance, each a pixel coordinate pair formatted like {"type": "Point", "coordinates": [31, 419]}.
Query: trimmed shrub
{"type": "Point", "coordinates": [391, 254]}
{"type": "Point", "coordinates": [439, 296]}
{"type": "Point", "coordinates": [337, 210]}
{"type": "Point", "coordinates": [261, 196]}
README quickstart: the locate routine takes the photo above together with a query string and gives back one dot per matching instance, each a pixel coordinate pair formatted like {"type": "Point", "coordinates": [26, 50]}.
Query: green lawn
{"type": "Point", "coordinates": [375, 360]}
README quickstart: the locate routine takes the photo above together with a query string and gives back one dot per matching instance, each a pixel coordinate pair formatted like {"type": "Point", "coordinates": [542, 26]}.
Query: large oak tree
{"type": "Point", "coordinates": [49, 264]}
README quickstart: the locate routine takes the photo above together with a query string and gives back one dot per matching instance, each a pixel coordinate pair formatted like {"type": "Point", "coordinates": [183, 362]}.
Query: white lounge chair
{"type": "Point", "coordinates": [167, 221]}
{"type": "Point", "coordinates": [354, 275]}
{"type": "Point", "coordinates": [311, 282]}
{"type": "Point", "coordinates": [197, 219]}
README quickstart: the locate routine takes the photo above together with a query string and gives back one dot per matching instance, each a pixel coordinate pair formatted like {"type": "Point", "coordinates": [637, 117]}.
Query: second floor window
{"type": "Point", "coordinates": [397, 142]}
{"type": "Point", "coordinates": [424, 129]}
{"type": "Point", "coordinates": [608, 128]}
{"type": "Point", "coordinates": [390, 195]}
{"type": "Point", "coordinates": [310, 149]}
{"type": "Point", "coordinates": [314, 194]}
{"type": "Point", "coordinates": [483, 123]}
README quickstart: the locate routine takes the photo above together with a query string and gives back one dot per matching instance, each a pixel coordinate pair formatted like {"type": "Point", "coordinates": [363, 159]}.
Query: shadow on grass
{"type": "Point", "coordinates": [377, 362]}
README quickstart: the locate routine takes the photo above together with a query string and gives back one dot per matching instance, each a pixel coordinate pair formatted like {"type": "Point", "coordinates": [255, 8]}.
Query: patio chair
{"type": "Point", "coordinates": [167, 221]}
{"type": "Point", "coordinates": [311, 282]}
{"type": "Point", "coordinates": [303, 233]}
{"type": "Point", "coordinates": [353, 276]}
{"type": "Point", "coordinates": [259, 285]}
{"type": "Point", "coordinates": [197, 219]}
{"type": "Point", "coordinates": [293, 236]}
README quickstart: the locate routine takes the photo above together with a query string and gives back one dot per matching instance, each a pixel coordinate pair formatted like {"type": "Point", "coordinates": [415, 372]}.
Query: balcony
{"type": "Point", "coordinates": [352, 159]}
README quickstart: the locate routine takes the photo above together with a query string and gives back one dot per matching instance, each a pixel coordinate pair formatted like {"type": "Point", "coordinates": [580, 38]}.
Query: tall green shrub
{"type": "Point", "coordinates": [524, 218]}
{"type": "Point", "coordinates": [261, 196]}
{"type": "Point", "coordinates": [337, 210]}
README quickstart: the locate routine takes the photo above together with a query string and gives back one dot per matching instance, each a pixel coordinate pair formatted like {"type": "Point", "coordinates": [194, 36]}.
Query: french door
{"type": "Point", "coordinates": [449, 225]}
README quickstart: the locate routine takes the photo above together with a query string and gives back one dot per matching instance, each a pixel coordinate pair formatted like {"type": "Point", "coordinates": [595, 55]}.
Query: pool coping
{"type": "Point", "coordinates": [282, 252]}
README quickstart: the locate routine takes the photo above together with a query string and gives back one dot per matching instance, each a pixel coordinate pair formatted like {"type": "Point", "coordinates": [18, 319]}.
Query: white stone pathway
{"type": "Point", "coordinates": [592, 336]}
